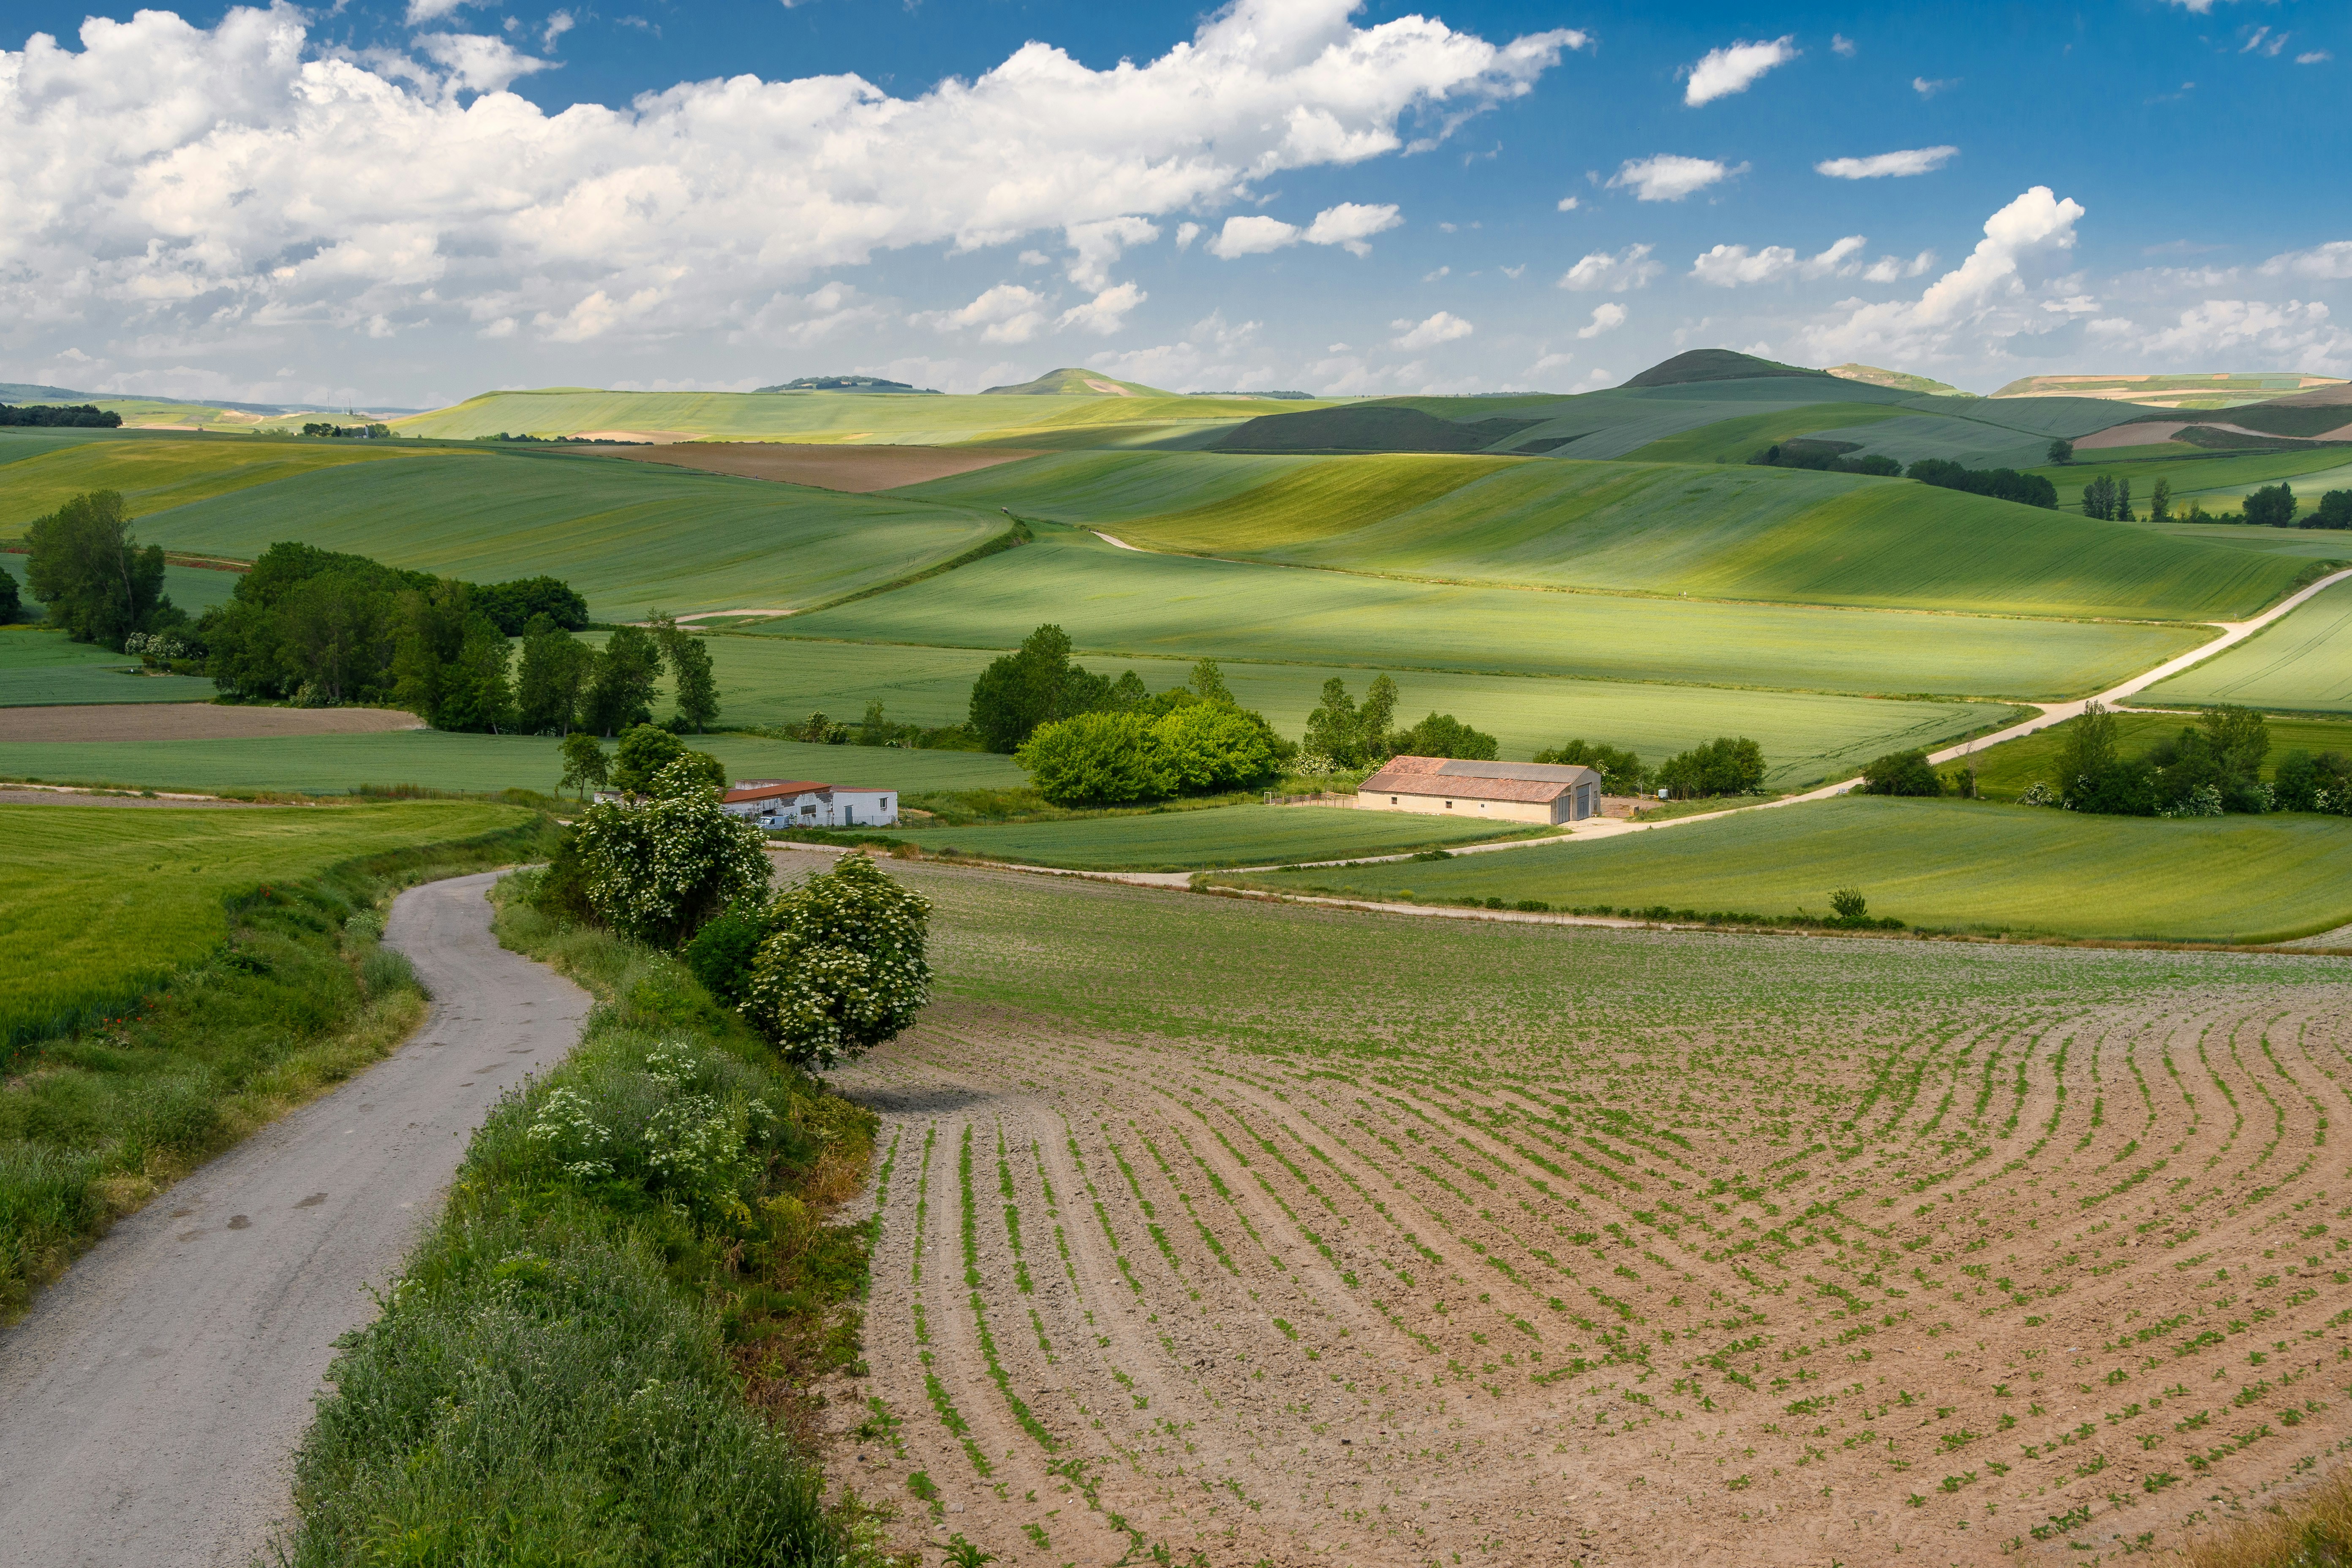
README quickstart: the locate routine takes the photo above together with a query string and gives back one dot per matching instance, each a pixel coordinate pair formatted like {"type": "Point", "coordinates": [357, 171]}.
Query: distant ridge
{"type": "Point", "coordinates": [2206, 389]}
{"type": "Point", "coordinates": [1366, 427]}
{"type": "Point", "coordinates": [1714, 365]}
{"type": "Point", "coordinates": [1896, 379]}
{"type": "Point", "coordinates": [1071, 382]}
{"type": "Point", "coordinates": [850, 384]}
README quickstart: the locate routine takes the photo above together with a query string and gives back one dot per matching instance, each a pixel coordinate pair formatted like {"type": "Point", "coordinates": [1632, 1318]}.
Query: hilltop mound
{"type": "Point", "coordinates": [850, 384]}
{"type": "Point", "coordinates": [1366, 427]}
{"type": "Point", "coordinates": [1896, 379]}
{"type": "Point", "coordinates": [1071, 382]}
{"type": "Point", "coordinates": [1714, 365]}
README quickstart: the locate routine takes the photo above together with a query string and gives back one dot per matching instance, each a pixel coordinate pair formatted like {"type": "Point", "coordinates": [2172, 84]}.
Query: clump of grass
{"type": "Point", "coordinates": [601, 1352]}
{"type": "Point", "coordinates": [2313, 1532]}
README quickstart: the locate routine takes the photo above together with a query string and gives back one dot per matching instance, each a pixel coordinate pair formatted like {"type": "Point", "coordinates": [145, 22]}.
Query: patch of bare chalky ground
{"type": "Point", "coordinates": [1258, 1235]}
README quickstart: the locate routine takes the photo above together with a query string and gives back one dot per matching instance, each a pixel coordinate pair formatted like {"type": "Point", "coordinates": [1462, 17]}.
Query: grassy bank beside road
{"type": "Point", "coordinates": [636, 1243]}
{"type": "Point", "coordinates": [98, 904]}
{"type": "Point", "coordinates": [266, 923]}
{"type": "Point", "coordinates": [1971, 864]}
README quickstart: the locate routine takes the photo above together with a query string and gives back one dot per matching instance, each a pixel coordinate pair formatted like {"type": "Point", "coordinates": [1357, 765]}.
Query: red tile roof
{"type": "Point", "coordinates": [762, 789]}
{"type": "Point", "coordinates": [1534, 783]}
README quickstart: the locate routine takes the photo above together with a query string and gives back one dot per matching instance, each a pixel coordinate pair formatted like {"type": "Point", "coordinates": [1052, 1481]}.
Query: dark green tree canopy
{"type": "Point", "coordinates": [1728, 765]}
{"type": "Point", "coordinates": [84, 563]}
{"type": "Point", "coordinates": [1039, 684]}
{"type": "Point", "coordinates": [1901, 772]}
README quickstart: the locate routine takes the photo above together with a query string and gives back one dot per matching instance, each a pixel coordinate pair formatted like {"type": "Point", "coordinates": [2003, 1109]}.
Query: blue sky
{"type": "Point", "coordinates": [400, 203]}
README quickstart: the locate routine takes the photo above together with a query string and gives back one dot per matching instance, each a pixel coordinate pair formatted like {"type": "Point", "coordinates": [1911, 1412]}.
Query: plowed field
{"type": "Point", "coordinates": [1223, 1233]}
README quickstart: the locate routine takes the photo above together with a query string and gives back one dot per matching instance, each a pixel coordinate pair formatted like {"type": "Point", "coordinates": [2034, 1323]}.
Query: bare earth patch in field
{"type": "Point", "coordinates": [856, 469]}
{"type": "Point", "coordinates": [194, 721]}
{"type": "Point", "coordinates": [1817, 1280]}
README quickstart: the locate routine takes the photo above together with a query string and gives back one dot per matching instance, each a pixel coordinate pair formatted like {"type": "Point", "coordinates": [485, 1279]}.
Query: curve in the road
{"type": "Point", "coordinates": [151, 1403]}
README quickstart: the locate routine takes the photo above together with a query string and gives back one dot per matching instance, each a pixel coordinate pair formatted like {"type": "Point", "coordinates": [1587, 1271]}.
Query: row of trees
{"type": "Point", "coordinates": [1192, 740]}
{"type": "Point", "coordinates": [82, 415]}
{"type": "Point", "coordinates": [1342, 737]}
{"type": "Point", "coordinates": [2000, 484]}
{"type": "Point", "coordinates": [2274, 506]}
{"type": "Point", "coordinates": [2212, 766]}
{"type": "Point", "coordinates": [1728, 765]}
{"type": "Point", "coordinates": [826, 968]}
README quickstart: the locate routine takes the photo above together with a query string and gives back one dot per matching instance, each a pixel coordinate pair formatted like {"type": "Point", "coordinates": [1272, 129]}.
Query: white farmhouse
{"type": "Point", "coordinates": [805, 803]}
{"type": "Point", "coordinates": [1508, 792]}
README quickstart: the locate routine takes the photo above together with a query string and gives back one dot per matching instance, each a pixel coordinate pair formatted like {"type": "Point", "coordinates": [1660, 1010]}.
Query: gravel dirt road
{"type": "Point", "coordinates": [151, 1403]}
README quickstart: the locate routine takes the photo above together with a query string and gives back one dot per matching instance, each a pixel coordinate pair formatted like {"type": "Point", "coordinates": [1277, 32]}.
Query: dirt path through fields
{"type": "Point", "coordinates": [2068, 1276]}
{"type": "Point", "coordinates": [153, 1398]}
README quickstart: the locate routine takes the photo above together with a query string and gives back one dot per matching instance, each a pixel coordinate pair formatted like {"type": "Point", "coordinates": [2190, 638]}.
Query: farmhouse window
{"type": "Point", "coordinates": [1392, 800]}
{"type": "Point", "coordinates": [1449, 806]}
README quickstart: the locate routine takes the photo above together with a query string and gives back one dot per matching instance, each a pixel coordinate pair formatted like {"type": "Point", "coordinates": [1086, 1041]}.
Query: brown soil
{"type": "Point", "coordinates": [1273, 1310]}
{"type": "Point", "coordinates": [193, 721]}
{"type": "Point", "coordinates": [856, 469]}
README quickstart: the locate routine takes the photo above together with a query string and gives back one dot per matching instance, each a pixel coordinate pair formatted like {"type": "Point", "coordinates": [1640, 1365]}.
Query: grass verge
{"type": "Point", "coordinates": [299, 997]}
{"type": "Point", "coordinates": [2314, 1532]}
{"type": "Point", "coordinates": [604, 1352]}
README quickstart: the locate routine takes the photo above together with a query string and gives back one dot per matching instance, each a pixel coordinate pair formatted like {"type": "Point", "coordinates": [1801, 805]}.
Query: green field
{"type": "Point", "coordinates": [626, 535]}
{"type": "Point", "coordinates": [333, 764]}
{"type": "Point", "coordinates": [901, 419]}
{"type": "Point", "coordinates": [1210, 838]}
{"type": "Point", "coordinates": [1737, 441]}
{"type": "Point", "coordinates": [154, 472]}
{"type": "Point", "coordinates": [2218, 481]}
{"type": "Point", "coordinates": [1726, 532]}
{"type": "Point", "coordinates": [2006, 771]}
{"type": "Point", "coordinates": [1927, 862]}
{"type": "Point", "coordinates": [1121, 603]}
{"type": "Point", "coordinates": [774, 680]}
{"type": "Point", "coordinates": [98, 903]}
{"type": "Point", "coordinates": [18, 442]}
{"type": "Point", "coordinates": [39, 667]}
{"type": "Point", "coordinates": [2300, 662]}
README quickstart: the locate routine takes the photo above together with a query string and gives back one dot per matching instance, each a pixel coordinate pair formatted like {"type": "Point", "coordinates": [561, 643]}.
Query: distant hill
{"type": "Point", "coordinates": [1071, 382]}
{"type": "Point", "coordinates": [1900, 381]}
{"type": "Point", "coordinates": [1714, 365]}
{"type": "Point", "coordinates": [1366, 427]}
{"type": "Point", "coordinates": [28, 392]}
{"type": "Point", "coordinates": [2217, 389]}
{"type": "Point", "coordinates": [851, 383]}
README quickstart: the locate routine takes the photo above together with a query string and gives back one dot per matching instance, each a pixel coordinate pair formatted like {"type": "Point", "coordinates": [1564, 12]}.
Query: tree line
{"type": "Point", "coordinates": [318, 627]}
{"type": "Point", "coordinates": [2000, 484]}
{"type": "Point", "coordinates": [82, 415]}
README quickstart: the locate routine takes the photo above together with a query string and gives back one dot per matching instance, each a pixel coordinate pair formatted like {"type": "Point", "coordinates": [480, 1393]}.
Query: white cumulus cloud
{"type": "Point", "coordinates": [1607, 314]}
{"type": "Point", "coordinates": [181, 184]}
{"type": "Point", "coordinates": [1980, 292]}
{"type": "Point", "coordinates": [1442, 328]}
{"type": "Point", "coordinates": [1731, 68]}
{"type": "Point", "coordinates": [2332, 261]}
{"type": "Point", "coordinates": [1928, 88]}
{"type": "Point", "coordinates": [1669, 177]}
{"type": "Point", "coordinates": [1628, 268]}
{"type": "Point", "coordinates": [1347, 225]}
{"type": "Point", "coordinates": [2290, 330]}
{"type": "Point", "coordinates": [1729, 266]}
{"type": "Point", "coordinates": [1008, 314]}
{"type": "Point", "coordinates": [1883, 165]}
{"type": "Point", "coordinates": [1107, 311]}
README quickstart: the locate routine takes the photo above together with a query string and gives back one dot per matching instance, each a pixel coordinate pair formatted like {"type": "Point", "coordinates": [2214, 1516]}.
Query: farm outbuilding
{"type": "Point", "coordinates": [1506, 792]}
{"type": "Point", "coordinates": [806, 803]}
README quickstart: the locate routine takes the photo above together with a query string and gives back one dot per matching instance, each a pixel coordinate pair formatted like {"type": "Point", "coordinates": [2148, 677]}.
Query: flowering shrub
{"type": "Point", "coordinates": [843, 969]}
{"type": "Point", "coordinates": [658, 869]}
{"type": "Point", "coordinates": [568, 1131]}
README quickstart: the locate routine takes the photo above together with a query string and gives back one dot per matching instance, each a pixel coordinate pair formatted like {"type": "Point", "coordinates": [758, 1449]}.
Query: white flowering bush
{"type": "Point", "coordinates": [844, 968]}
{"type": "Point", "coordinates": [567, 1131]}
{"type": "Point", "coordinates": [658, 867]}
{"type": "Point", "coordinates": [702, 1152]}
{"type": "Point", "coordinates": [2037, 794]}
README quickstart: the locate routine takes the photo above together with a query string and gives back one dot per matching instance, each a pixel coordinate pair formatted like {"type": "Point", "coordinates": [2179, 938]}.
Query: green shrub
{"type": "Point", "coordinates": [1099, 758]}
{"type": "Point", "coordinates": [1902, 772]}
{"type": "Point", "coordinates": [1730, 765]}
{"type": "Point", "coordinates": [720, 954]}
{"type": "Point", "coordinates": [658, 870]}
{"type": "Point", "coordinates": [1213, 747]}
{"type": "Point", "coordinates": [1444, 735]}
{"type": "Point", "coordinates": [844, 967]}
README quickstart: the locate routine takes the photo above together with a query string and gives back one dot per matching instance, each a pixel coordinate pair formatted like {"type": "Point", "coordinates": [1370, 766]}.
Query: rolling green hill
{"type": "Point", "coordinates": [626, 535]}
{"type": "Point", "coordinates": [1115, 601]}
{"type": "Point", "coordinates": [1726, 530]}
{"type": "Point", "coordinates": [1900, 380]}
{"type": "Point", "coordinates": [1738, 439]}
{"type": "Point", "coordinates": [1071, 382]}
{"type": "Point", "coordinates": [158, 471]}
{"type": "Point", "coordinates": [2300, 662]}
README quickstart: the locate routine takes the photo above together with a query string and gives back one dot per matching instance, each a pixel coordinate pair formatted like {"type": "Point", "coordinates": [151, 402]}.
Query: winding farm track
{"type": "Point", "coordinates": [151, 1403]}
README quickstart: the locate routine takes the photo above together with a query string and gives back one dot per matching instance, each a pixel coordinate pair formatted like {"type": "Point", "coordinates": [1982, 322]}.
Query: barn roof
{"type": "Point", "coordinates": [761, 789]}
{"type": "Point", "coordinates": [1462, 780]}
